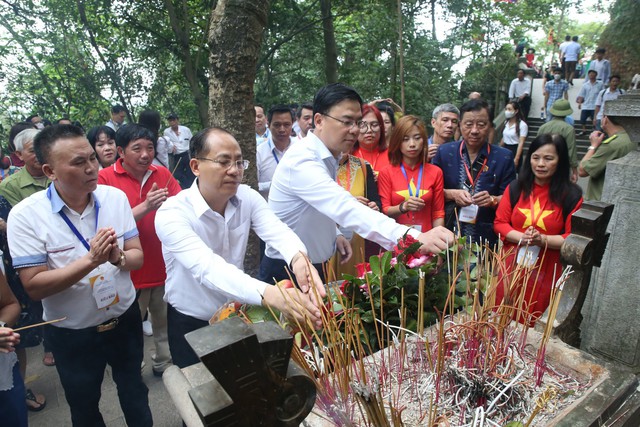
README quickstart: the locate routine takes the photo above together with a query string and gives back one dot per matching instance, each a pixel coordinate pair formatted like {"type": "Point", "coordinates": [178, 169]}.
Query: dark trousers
{"type": "Point", "coordinates": [525, 106]}
{"type": "Point", "coordinates": [81, 358]}
{"type": "Point", "coordinates": [178, 325]}
{"type": "Point", "coordinates": [13, 409]}
{"type": "Point", "coordinates": [183, 172]}
{"type": "Point", "coordinates": [271, 269]}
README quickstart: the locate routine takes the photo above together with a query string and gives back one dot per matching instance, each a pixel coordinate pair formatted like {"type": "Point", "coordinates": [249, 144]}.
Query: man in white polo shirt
{"type": "Point", "coordinates": [204, 232]}
{"type": "Point", "coordinates": [268, 155]}
{"type": "Point", "coordinates": [305, 195]}
{"type": "Point", "coordinates": [74, 245]}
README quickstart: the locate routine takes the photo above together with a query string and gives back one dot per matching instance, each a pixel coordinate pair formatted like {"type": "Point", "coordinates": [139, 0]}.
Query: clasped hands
{"type": "Point", "coordinates": [533, 237]}
{"type": "Point", "coordinates": [104, 247]}
{"type": "Point", "coordinates": [464, 198]}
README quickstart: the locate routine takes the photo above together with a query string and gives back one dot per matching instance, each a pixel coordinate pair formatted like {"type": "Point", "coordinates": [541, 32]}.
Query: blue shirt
{"type": "Point", "coordinates": [555, 90]}
{"type": "Point", "coordinates": [494, 178]}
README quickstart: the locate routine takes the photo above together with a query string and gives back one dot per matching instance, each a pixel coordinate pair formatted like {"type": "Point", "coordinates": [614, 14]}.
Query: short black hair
{"type": "Point", "coordinates": [388, 109]}
{"type": "Point", "coordinates": [615, 76]}
{"type": "Point", "coordinates": [117, 109]}
{"type": "Point", "coordinates": [198, 144]}
{"type": "Point", "coordinates": [151, 120]}
{"type": "Point", "coordinates": [476, 105]}
{"type": "Point", "coordinates": [574, 38]}
{"type": "Point", "coordinates": [131, 132]}
{"type": "Point", "coordinates": [279, 109]}
{"type": "Point", "coordinates": [31, 117]}
{"type": "Point", "coordinates": [304, 106]}
{"type": "Point", "coordinates": [95, 132]}
{"type": "Point", "coordinates": [61, 119]}
{"type": "Point", "coordinates": [567, 37]}
{"type": "Point", "coordinates": [333, 94]}
{"type": "Point", "coordinates": [601, 50]}
{"type": "Point", "coordinates": [46, 139]}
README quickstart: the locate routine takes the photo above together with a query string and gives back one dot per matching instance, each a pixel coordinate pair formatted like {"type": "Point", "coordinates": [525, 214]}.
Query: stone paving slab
{"type": "Point", "coordinates": [45, 380]}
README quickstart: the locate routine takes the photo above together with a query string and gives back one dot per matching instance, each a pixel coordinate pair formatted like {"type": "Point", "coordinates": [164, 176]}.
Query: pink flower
{"type": "Point", "coordinates": [364, 288]}
{"type": "Point", "coordinates": [417, 262]}
{"type": "Point", "coordinates": [394, 261]}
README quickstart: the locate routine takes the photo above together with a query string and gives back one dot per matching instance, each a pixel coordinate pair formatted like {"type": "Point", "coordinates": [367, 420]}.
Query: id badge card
{"type": "Point", "coordinates": [416, 227]}
{"type": "Point", "coordinates": [527, 256]}
{"type": "Point", "coordinates": [468, 214]}
{"type": "Point", "coordinates": [104, 288]}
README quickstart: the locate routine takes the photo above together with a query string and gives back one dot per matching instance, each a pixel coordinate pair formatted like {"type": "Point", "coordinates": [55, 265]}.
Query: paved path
{"type": "Point", "coordinates": [44, 379]}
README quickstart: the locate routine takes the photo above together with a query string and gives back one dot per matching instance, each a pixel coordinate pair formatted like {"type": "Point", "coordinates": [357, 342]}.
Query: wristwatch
{"type": "Point", "coordinates": [122, 261]}
{"type": "Point", "coordinates": [591, 147]}
{"type": "Point", "coordinates": [3, 324]}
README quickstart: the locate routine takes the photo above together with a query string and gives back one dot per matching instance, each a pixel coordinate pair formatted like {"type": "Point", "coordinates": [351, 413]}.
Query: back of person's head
{"type": "Point", "coordinates": [198, 146]}
{"type": "Point", "coordinates": [116, 109]}
{"type": "Point", "coordinates": [304, 106]}
{"type": "Point", "coordinates": [574, 38]}
{"type": "Point", "coordinates": [47, 138]}
{"type": "Point", "coordinates": [16, 129]}
{"type": "Point", "coordinates": [94, 134]}
{"type": "Point", "coordinates": [279, 109]}
{"type": "Point", "coordinates": [24, 137]}
{"type": "Point", "coordinates": [445, 108]}
{"type": "Point", "coordinates": [402, 129]}
{"type": "Point", "coordinates": [332, 94]}
{"type": "Point", "coordinates": [132, 132]}
{"type": "Point", "coordinates": [567, 37]}
{"type": "Point", "coordinates": [31, 117]}
{"type": "Point", "coordinates": [475, 105]}
{"type": "Point", "coordinates": [151, 120]}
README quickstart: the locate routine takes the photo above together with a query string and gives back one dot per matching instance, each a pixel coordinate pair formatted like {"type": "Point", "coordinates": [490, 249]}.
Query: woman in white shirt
{"type": "Point", "coordinates": [515, 131]}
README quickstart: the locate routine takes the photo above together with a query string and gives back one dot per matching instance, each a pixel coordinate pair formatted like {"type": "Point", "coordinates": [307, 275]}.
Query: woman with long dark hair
{"type": "Point", "coordinates": [515, 131]}
{"type": "Point", "coordinates": [533, 219]}
{"type": "Point", "coordinates": [412, 189]}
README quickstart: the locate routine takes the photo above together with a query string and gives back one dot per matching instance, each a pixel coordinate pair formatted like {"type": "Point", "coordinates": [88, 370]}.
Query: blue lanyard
{"type": "Point", "coordinates": [418, 185]}
{"type": "Point", "coordinates": [75, 230]}
{"type": "Point", "coordinates": [273, 153]}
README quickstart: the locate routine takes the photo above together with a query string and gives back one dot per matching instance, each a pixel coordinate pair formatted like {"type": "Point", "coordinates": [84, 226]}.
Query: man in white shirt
{"type": "Point", "coordinates": [74, 245]}
{"type": "Point", "coordinates": [118, 113]}
{"type": "Point", "coordinates": [305, 195]}
{"type": "Point", "coordinates": [606, 94]}
{"type": "Point", "coordinates": [262, 132]}
{"type": "Point", "coordinates": [571, 55]}
{"type": "Point", "coordinates": [268, 155]}
{"type": "Point", "coordinates": [601, 66]}
{"type": "Point", "coordinates": [587, 99]}
{"type": "Point", "coordinates": [204, 232]}
{"type": "Point", "coordinates": [562, 48]}
{"type": "Point", "coordinates": [520, 90]}
{"type": "Point", "coordinates": [304, 120]}
{"type": "Point", "coordinates": [179, 137]}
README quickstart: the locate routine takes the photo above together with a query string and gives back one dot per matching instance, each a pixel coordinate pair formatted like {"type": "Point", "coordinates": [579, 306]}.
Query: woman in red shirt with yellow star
{"type": "Point", "coordinates": [411, 189]}
{"type": "Point", "coordinates": [533, 219]}
{"type": "Point", "coordinates": [371, 144]}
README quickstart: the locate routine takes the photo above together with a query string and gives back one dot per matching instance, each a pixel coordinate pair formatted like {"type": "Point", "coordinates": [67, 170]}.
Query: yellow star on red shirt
{"type": "Point", "coordinates": [537, 213]}
{"type": "Point", "coordinates": [405, 193]}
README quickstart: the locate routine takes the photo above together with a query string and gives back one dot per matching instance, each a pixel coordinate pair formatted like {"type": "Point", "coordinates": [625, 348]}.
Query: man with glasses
{"type": "Point", "coordinates": [204, 232]}
{"type": "Point", "coordinates": [305, 195]}
{"type": "Point", "coordinates": [444, 120]}
{"type": "Point", "coordinates": [476, 174]}
{"type": "Point", "coordinates": [268, 155]}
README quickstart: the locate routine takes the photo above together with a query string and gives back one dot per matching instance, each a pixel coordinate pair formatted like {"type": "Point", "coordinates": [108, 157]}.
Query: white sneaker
{"type": "Point", "coordinates": [146, 328]}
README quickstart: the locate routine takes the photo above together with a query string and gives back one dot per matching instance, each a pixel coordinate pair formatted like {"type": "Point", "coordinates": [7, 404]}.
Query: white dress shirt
{"type": "Point", "coordinates": [306, 197]}
{"type": "Point", "coordinates": [519, 88]}
{"type": "Point", "coordinates": [163, 148]}
{"type": "Point", "coordinates": [606, 95]}
{"type": "Point", "coordinates": [204, 251]}
{"type": "Point", "coordinates": [603, 68]}
{"type": "Point", "coordinates": [267, 158]}
{"type": "Point", "coordinates": [39, 236]}
{"type": "Point", "coordinates": [179, 140]}
{"type": "Point", "coordinates": [509, 136]}
{"type": "Point", "coordinates": [572, 51]}
{"type": "Point", "coordinates": [589, 93]}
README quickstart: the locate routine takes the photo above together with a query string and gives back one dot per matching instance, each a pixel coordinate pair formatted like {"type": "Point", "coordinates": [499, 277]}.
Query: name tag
{"type": "Point", "coordinates": [527, 256]}
{"type": "Point", "coordinates": [416, 227]}
{"type": "Point", "coordinates": [104, 289]}
{"type": "Point", "coordinates": [468, 214]}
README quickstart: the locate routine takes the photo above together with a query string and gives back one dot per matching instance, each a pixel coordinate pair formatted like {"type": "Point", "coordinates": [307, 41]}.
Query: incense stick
{"type": "Point", "coordinates": [40, 324]}
{"type": "Point", "coordinates": [173, 171]}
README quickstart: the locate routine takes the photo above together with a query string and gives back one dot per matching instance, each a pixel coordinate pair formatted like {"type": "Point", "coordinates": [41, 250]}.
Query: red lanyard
{"type": "Point", "coordinates": [473, 181]}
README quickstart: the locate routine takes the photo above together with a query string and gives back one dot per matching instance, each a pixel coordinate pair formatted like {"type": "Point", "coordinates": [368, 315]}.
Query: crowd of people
{"type": "Point", "coordinates": [124, 223]}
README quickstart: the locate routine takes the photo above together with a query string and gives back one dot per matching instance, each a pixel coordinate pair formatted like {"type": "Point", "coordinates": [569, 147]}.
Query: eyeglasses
{"type": "Point", "coordinates": [241, 165]}
{"type": "Point", "coordinates": [350, 123]}
{"type": "Point", "coordinates": [374, 126]}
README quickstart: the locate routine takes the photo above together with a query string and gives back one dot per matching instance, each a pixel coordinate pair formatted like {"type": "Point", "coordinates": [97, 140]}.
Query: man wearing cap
{"type": "Point", "coordinates": [587, 98]}
{"type": "Point", "coordinates": [179, 137]}
{"type": "Point", "coordinates": [554, 90]}
{"type": "Point", "coordinates": [561, 109]}
{"type": "Point", "coordinates": [601, 151]}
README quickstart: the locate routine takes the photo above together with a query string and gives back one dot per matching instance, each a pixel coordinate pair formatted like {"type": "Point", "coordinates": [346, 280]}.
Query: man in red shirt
{"type": "Point", "coordinates": [147, 186]}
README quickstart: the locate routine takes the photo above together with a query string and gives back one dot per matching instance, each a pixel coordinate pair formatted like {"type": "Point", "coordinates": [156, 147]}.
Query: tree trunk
{"type": "Point", "coordinates": [181, 29]}
{"type": "Point", "coordinates": [235, 38]}
{"type": "Point", "coordinates": [433, 21]}
{"type": "Point", "coordinates": [330, 47]}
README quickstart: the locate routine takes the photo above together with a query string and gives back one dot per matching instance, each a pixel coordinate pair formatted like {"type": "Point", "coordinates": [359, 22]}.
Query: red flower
{"type": "Point", "coordinates": [363, 269]}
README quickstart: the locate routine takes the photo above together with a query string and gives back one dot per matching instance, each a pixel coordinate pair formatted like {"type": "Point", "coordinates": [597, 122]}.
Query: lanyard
{"type": "Point", "coordinates": [418, 184]}
{"type": "Point", "coordinates": [273, 153]}
{"type": "Point", "coordinates": [75, 230]}
{"type": "Point", "coordinates": [473, 181]}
